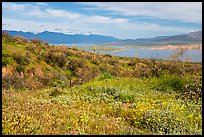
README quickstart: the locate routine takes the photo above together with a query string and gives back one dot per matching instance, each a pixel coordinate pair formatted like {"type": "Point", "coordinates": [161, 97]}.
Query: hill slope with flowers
{"type": "Point", "coordinates": [59, 90]}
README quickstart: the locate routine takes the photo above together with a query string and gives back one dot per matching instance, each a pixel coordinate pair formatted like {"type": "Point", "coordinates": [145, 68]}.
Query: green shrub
{"type": "Point", "coordinates": [6, 58]}
{"type": "Point", "coordinates": [21, 59]}
{"type": "Point", "coordinates": [7, 61]}
{"type": "Point", "coordinates": [162, 122]}
{"type": "Point", "coordinates": [56, 59]}
{"type": "Point", "coordinates": [125, 97]}
{"type": "Point", "coordinates": [106, 75]}
{"type": "Point", "coordinates": [20, 69]}
{"type": "Point", "coordinates": [170, 82]}
{"type": "Point", "coordinates": [192, 90]}
{"type": "Point", "coordinates": [55, 92]}
{"type": "Point", "coordinates": [56, 83]}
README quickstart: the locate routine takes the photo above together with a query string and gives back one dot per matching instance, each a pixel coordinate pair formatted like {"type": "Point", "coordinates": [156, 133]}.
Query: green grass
{"type": "Point", "coordinates": [15, 48]}
{"type": "Point", "coordinates": [108, 106]}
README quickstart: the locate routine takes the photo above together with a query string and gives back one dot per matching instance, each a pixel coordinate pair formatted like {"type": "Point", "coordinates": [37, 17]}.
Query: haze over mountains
{"type": "Point", "coordinates": [190, 38]}
{"type": "Point", "coordinates": [60, 38]}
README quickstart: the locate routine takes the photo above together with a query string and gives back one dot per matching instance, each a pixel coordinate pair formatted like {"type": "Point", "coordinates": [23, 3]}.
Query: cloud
{"type": "Point", "coordinates": [14, 7]}
{"type": "Point", "coordinates": [119, 30]}
{"type": "Point", "coordinates": [102, 20]}
{"type": "Point", "coordinates": [40, 12]}
{"type": "Point", "coordinates": [37, 18]}
{"type": "Point", "coordinates": [41, 3]}
{"type": "Point", "coordinates": [62, 13]}
{"type": "Point", "coordinates": [183, 11]}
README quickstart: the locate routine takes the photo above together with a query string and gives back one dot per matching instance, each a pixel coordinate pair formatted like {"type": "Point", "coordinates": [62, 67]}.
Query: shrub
{"type": "Point", "coordinates": [106, 75]}
{"type": "Point", "coordinates": [20, 69]}
{"type": "Point", "coordinates": [6, 58]}
{"type": "Point", "coordinates": [55, 92]}
{"type": "Point", "coordinates": [36, 41]}
{"type": "Point", "coordinates": [192, 90]}
{"type": "Point", "coordinates": [21, 59]}
{"type": "Point", "coordinates": [170, 82]}
{"type": "Point", "coordinates": [20, 40]}
{"type": "Point", "coordinates": [58, 59]}
{"type": "Point", "coordinates": [14, 80]}
{"type": "Point", "coordinates": [159, 121]}
{"type": "Point", "coordinates": [6, 37]}
{"type": "Point", "coordinates": [74, 64]}
{"type": "Point", "coordinates": [125, 97]}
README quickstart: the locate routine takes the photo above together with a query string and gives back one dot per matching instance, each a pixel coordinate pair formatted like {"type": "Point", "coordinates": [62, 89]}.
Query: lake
{"type": "Point", "coordinates": [194, 54]}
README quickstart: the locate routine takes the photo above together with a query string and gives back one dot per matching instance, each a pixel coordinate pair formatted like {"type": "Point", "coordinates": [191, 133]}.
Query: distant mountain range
{"type": "Point", "coordinates": [60, 38]}
{"type": "Point", "coordinates": [190, 38]}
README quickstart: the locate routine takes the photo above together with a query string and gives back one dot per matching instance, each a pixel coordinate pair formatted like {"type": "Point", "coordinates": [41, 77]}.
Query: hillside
{"type": "Point", "coordinates": [57, 63]}
{"type": "Point", "coordinates": [50, 89]}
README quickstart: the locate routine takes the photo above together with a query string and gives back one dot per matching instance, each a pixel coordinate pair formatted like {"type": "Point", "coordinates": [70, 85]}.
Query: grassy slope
{"type": "Point", "coordinates": [110, 106]}
{"type": "Point", "coordinates": [115, 102]}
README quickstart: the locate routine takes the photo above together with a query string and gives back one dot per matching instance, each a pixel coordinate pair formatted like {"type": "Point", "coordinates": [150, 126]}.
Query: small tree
{"type": "Point", "coordinates": [178, 55]}
{"type": "Point", "coordinates": [69, 75]}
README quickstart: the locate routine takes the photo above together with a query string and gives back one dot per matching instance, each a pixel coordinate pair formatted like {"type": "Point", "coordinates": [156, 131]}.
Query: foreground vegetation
{"type": "Point", "coordinates": [60, 90]}
{"type": "Point", "coordinates": [106, 106]}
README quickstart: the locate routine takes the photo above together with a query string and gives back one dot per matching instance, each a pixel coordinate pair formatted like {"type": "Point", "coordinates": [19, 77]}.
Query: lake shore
{"type": "Point", "coordinates": [164, 47]}
{"type": "Point", "coordinates": [118, 50]}
{"type": "Point", "coordinates": [198, 47]}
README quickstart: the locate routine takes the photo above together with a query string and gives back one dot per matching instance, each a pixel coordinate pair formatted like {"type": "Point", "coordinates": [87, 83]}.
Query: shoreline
{"type": "Point", "coordinates": [171, 47]}
{"type": "Point", "coordinates": [198, 47]}
{"type": "Point", "coordinates": [119, 50]}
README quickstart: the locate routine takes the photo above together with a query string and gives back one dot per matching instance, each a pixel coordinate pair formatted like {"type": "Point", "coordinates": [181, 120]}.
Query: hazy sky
{"type": "Point", "coordinates": [119, 19]}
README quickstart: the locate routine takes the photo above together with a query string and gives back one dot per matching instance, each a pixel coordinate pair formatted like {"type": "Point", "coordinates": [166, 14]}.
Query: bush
{"type": "Point", "coordinates": [6, 58]}
{"type": "Point", "coordinates": [19, 69]}
{"type": "Point", "coordinates": [192, 90]}
{"type": "Point", "coordinates": [160, 121]}
{"type": "Point", "coordinates": [125, 97]}
{"type": "Point", "coordinates": [21, 60]}
{"type": "Point", "coordinates": [13, 81]}
{"type": "Point", "coordinates": [74, 64]}
{"type": "Point", "coordinates": [170, 82]}
{"type": "Point", "coordinates": [55, 92]}
{"type": "Point", "coordinates": [20, 40]}
{"type": "Point", "coordinates": [106, 75]}
{"type": "Point", "coordinates": [58, 59]}
{"type": "Point", "coordinates": [6, 37]}
{"type": "Point", "coordinates": [56, 83]}
{"type": "Point", "coordinates": [36, 41]}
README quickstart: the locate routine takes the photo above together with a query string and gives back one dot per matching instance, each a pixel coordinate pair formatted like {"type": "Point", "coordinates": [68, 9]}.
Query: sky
{"type": "Point", "coordinates": [123, 20]}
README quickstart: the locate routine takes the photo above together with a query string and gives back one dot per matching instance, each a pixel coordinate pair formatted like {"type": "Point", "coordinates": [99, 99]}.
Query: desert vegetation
{"type": "Point", "coordinates": [49, 89]}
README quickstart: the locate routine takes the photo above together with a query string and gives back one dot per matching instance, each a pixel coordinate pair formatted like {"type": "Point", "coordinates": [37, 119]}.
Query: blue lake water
{"type": "Point", "coordinates": [194, 54]}
{"type": "Point", "coordinates": [77, 44]}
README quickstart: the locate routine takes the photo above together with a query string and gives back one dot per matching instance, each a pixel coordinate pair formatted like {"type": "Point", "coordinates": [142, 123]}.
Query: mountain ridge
{"type": "Point", "coordinates": [57, 38]}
